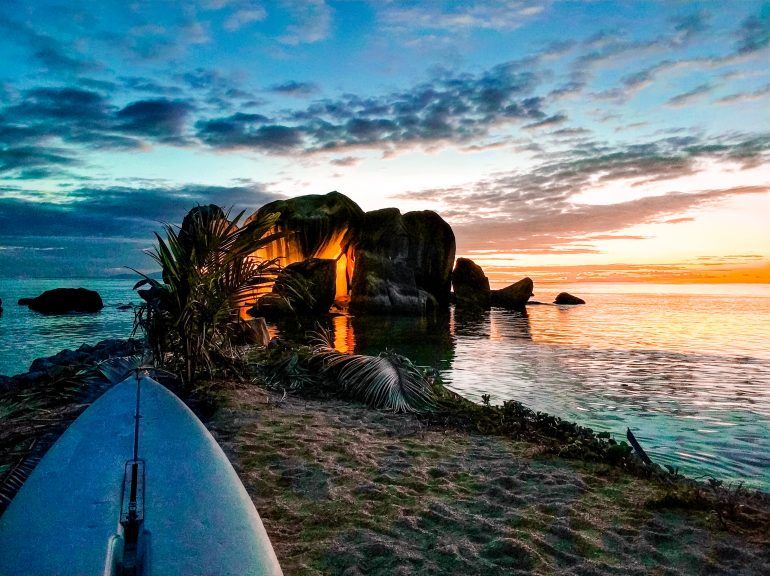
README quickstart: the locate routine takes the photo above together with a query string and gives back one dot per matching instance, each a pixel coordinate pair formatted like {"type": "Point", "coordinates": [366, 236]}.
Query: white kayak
{"type": "Point", "coordinates": [116, 498]}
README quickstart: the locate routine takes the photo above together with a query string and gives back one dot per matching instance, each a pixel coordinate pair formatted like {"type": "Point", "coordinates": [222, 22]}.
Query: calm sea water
{"type": "Point", "coordinates": [26, 335]}
{"type": "Point", "coordinates": [686, 367]}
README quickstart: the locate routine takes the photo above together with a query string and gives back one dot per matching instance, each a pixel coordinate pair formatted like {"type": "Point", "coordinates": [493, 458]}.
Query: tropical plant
{"type": "Point", "coordinates": [388, 381]}
{"type": "Point", "coordinates": [209, 272]}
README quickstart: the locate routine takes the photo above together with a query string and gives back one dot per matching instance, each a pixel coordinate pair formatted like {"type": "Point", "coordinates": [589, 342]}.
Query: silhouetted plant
{"type": "Point", "coordinates": [191, 317]}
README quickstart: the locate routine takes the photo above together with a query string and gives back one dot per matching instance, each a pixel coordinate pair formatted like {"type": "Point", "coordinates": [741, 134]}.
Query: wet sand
{"type": "Point", "coordinates": [347, 490]}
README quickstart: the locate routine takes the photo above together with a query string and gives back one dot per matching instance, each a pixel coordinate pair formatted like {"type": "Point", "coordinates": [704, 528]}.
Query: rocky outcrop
{"type": "Point", "coordinates": [403, 263]}
{"type": "Point", "coordinates": [471, 286]}
{"type": "Point", "coordinates": [566, 298]}
{"type": "Point", "coordinates": [312, 221]}
{"type": "Point", "coordinates": [515, 296]}
{"type": "Point", "coordinates": [386, 262]}
{"type": "Point", "coordinates": [65, 300]}
{"type": "Point", "coordinates": [431, 253]}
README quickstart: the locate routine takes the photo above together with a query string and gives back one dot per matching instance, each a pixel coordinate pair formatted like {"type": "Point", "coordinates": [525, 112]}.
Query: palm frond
{"type": "Point", "coordinates": [208, 274]}
{"type": "Point", "coordinates": [388, 381]}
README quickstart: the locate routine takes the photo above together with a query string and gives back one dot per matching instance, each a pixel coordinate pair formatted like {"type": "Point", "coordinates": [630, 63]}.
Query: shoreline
{"type": "Point", "coordinates": [343, 488]}
{"type": "Point", "coordinates": [347, 490]}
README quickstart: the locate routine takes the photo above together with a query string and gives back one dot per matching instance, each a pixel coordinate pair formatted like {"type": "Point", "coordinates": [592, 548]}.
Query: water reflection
{"type": "Point", "coordinates": [689, 374]}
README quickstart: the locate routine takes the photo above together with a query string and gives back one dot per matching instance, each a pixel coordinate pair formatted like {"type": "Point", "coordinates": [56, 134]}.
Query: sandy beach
{"type": "Point", "coordinates": [347, 490]}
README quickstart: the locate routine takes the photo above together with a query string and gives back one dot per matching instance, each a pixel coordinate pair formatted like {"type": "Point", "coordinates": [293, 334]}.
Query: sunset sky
{"type": "Point", "coordinates": [563, 140]}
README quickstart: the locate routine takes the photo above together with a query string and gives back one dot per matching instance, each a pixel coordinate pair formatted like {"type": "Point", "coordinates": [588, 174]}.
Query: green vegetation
{"type": "Point", "coordinates": [387, 381]}
{"type": "Point", "coordinates": [190, 319]}
{"type": "Point", "coordinates": [346, 490]}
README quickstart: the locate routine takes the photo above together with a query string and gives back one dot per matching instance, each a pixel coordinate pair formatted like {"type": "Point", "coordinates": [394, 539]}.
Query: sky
{"type": "Point", "coordinates": [564, 140]}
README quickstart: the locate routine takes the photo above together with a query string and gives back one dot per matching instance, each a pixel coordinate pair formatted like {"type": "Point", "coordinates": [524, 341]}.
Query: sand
{"type": "Point", "coordinates": [347, 490]}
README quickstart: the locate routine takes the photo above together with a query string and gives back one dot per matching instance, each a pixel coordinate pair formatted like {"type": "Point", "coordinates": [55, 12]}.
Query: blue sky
{"type": "Point", "coordinates": [557, 137]}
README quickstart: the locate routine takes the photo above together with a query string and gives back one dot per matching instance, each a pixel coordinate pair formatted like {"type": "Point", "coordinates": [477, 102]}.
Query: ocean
{"type": "Point", "coordinates": [686, 367]}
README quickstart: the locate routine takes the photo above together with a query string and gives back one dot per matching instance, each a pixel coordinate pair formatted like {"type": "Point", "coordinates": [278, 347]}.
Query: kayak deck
{"type": "Point", "coordinates": [197, 516]}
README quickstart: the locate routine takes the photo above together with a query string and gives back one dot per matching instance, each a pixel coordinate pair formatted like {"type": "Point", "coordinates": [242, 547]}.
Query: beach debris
{"type": "Point", "coordinates": [638, 448]}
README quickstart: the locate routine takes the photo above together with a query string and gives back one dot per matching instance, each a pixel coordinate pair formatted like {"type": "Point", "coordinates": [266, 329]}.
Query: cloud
{"type": "Point", "coordinates": [686, 98]}
{"type": "Point", "coordinates": [95, 229]}
{"type": "Point", "coordinates": [248, 131]}
{"type": "Point", "coordinates": [87, 118]}
{"type": "Point", "coordinates": [453, 17]}
{"type": "Point", "coordinates": [294, 88]}
{"type": "Point", "coordinates": [548, 122]}
{"type": "Point", "coordinates": [757, 94]}
{"type": "Point", "coordinates": [312, 22]}
{"type": "Point", "coordinates": [29, 162]}
{"type": "Point", "coordinates": [535, 210]}
{"type": "Point", "coordinates": [689, 26]}
{"type": "Point", "coordinates": [162, 119]}
{"type": "Point", "coordinates": [754, 33]}
{"type": "Point", "coordinates": [52, 54]}
{"type": "Point", "coordinates": [449, 108]}
{"type": "Point", "coordinates": [244, 16]}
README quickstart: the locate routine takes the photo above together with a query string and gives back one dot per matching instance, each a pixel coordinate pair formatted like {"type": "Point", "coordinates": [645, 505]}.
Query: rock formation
{"type": "Point", "coordinates": [565, 298]}
{"type": "Point", "coordinates": [314, 226]}
{"type": "Point", "coordinates": [65, 300]}
{"type": "Point", "coordinates": [471, 286]}
{"type": "Point", "coordinates": [403, 263]}
{"type": "Point", "coordinates": [515, 296]}
{"type": "Point", "coordinates": [385, 262]}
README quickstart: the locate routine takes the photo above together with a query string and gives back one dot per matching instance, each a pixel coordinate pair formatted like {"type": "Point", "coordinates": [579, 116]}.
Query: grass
{"type": "Point", "coordinates": [347, 490]}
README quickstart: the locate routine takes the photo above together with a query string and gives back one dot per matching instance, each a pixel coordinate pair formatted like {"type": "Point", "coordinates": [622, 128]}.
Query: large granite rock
{"type": "Point", "coordinates": [402, 262]}
{"type": "Point", "coordinates": [65, 300]}
{"type": "Point", "coordinates": [471, 286]}
{"type": "Point", "coordinates": [515, 296]}
{"type": "Point", "coordinates": [311, 221]}
{"type": "Point", "coordinates": [566, 298]}
{"type": "Point", "coordinates": [431, 253]}
{"type": "Point", "coordinates": [393, 263]}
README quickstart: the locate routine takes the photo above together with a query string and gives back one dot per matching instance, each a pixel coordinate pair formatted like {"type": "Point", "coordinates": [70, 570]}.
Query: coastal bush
{"type": "Point", "coordinates": [191, 317]}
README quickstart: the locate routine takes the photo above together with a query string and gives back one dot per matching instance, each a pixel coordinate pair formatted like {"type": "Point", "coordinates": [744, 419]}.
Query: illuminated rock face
{"type": "Point", "coordinates": [315, 226]}
{"type": "Point", "coordinates": [386, 262]}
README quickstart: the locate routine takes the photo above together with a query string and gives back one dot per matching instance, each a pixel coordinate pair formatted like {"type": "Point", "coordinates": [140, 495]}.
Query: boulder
{"type": "Point", "coordinates": [271, 306]}
{"type": "Point", "coordinates": [396, 271]}
{"type": "Point", "coordinates": [515, 296]}
{"type": "Point", "coordinates": [87, 354]}
{"type": "Point", "coordinates": [565, 298]}
{"type": "Point", "coordinates": [471, 286]}
{"type": "Point", "coordinates": [312, 221]}
{"type": "Point", "coordinates": [316, 276]}
{"type": "Point", "coordinates": [431, 253]}
{"type": "Point", "coordinates": [65, 300]}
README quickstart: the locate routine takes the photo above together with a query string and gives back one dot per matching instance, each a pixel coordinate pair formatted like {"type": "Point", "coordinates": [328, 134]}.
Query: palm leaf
{"type": "Point", "coordinates": [388, 381]}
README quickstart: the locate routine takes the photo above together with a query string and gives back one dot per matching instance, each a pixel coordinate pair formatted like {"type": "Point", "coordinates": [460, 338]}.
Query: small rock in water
{"type": "Point", "coordinates": [565, 298]}
{"type": "Point", "coordinates": [64, 300]}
